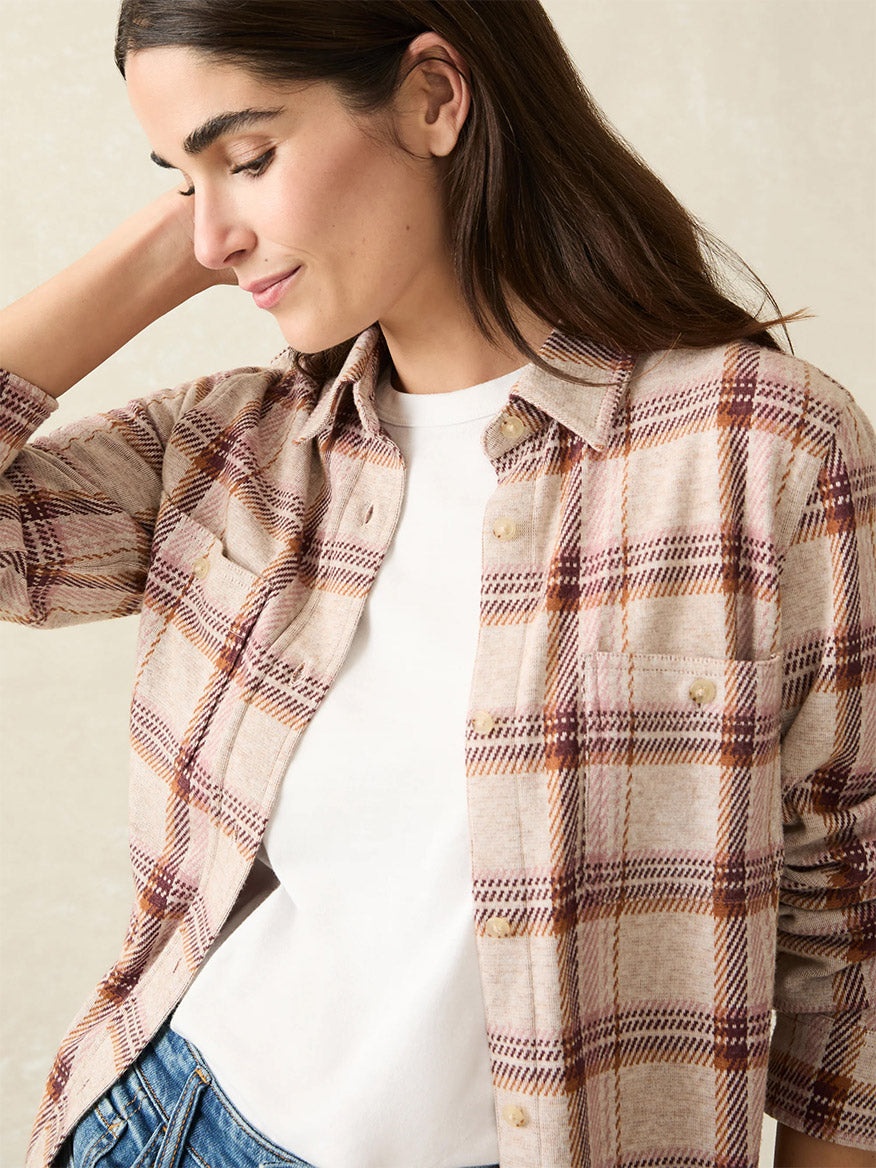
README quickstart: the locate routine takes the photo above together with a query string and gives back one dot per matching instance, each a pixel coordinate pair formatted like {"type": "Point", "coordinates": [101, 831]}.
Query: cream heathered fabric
{"type": "Point", "coordinates": [669, 738]}
{"type": "Point", "coordinates": [345, 1016]}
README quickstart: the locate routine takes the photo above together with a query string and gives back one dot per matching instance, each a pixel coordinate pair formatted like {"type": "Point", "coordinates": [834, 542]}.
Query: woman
{"type": "Point", "coordinates": [530, 475]}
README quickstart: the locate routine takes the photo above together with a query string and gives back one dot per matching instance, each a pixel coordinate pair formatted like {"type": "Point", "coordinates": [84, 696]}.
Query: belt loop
{"type": "Point", "coordinates": [172, 1148]}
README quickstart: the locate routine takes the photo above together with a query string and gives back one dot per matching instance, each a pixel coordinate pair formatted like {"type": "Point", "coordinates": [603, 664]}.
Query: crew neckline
{"type": "Point", "coordinates": [441, 409]}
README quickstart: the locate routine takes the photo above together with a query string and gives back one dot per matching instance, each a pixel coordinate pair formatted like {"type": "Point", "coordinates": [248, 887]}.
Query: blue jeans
{"type": "Point", "coordinates": [166, 1105]}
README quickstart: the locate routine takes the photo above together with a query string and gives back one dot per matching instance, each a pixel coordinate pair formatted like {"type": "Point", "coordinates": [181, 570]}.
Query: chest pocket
{"type": "Point", "coordinates": [198, 610]}
{"type": "Point", "coordinates": [682, 756]}
{"type": "Point", "coordinates": [682, 851]}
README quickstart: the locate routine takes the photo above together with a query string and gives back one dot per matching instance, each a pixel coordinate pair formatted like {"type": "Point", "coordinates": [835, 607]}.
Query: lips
{"type": "Point", "coordinates": [268, 292]}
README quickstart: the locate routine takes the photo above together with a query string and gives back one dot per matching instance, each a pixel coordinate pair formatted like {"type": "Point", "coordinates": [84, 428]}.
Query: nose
{"type": "Point", "coordinates": [221, 237]}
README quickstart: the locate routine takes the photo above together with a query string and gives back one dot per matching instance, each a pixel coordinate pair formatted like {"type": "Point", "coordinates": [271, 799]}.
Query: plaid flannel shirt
{"type": "Point", "coordinates": [669, 743]}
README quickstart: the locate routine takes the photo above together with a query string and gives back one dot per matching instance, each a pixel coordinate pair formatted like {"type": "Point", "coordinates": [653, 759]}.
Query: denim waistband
{"type": "Point", "coordinates": [165, 1070]}
{"type": "Point", "coordinates": [176, 1078]}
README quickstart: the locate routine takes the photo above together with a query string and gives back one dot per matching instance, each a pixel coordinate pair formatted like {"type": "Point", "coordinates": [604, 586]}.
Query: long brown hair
{"type": "Point", "coordinates": [543, 197]}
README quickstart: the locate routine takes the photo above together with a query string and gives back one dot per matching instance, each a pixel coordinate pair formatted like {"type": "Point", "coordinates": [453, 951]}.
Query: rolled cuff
{"type": "Point", "coordinates": [23, 407]}
{"type": "Point", "coordinates": [822, 1076]}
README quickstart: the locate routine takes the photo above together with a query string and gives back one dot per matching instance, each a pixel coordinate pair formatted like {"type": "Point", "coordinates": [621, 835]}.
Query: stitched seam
{"type": "Point", "coordinates": [254, 1136]}
{"type": "Point", "coordinates": [182, 1126]}
{"type": "Point", "coordinates": [113, 1127]}
{"type": "Point", "coordinates": [104, 1141]}
{"type": "Point", "coordinates": [107, 1123]}
{"type": "Point", "coordinates": [197, 1156]}
{"type": "Point", "coordinates": [144, 1079]}
{"type": "Point", "coordinates": [134, 1106]}
{"type": "Point", "coordinates": [97, 1149]}
{"type": "Point", "coordinates": [100, 1145]}
{"type": "Point", "coordinates": [239, 1120]}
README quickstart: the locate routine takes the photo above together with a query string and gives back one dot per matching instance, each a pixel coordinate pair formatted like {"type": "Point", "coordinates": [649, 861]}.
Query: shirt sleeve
{"type": "Point", "coordinates": [822, 1069]}
{"type": "Point", "coordinates": [77, 508]}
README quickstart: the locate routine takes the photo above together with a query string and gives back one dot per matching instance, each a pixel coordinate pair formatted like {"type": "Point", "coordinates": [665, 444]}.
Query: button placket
{"type": "Point", "coordinates": [484, 722]}
{"type": "Point", "coordinates": [514, 1115]}
{"type": "Point", "coordinates": [502, 938]}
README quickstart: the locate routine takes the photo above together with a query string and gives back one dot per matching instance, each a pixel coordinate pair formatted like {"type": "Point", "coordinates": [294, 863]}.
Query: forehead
{"type": "Point", "coordinates": [173, 90]}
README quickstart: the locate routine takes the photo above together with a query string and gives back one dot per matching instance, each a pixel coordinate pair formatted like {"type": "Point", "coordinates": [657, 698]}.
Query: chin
{"type": "Point", "coordinates": [316, 337]}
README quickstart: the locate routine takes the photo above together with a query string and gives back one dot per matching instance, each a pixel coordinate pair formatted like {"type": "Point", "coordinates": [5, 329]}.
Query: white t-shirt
{"type": "Point", "coordinates": [345, 1016]}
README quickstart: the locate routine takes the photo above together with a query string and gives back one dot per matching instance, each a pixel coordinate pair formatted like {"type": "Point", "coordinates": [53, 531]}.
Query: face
{"type": "Point", "coordinates": [329, 228]}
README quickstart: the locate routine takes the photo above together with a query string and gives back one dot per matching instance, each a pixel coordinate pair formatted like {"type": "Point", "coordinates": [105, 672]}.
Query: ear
{"type": "Point", "coordinates": [435, 95]}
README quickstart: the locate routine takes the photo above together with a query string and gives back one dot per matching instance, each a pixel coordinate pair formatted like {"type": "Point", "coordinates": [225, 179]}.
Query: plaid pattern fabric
{"type": "Point", "coordinates": [669, 744]}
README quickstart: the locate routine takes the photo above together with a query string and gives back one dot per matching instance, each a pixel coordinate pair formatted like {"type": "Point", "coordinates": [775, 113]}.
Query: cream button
{"type": "Point", "coordinates": [484, 722]}
{"type": "Point", "coordinates": [703, 690]}
{"type": "Point", "coordinates": [498, 927]}
{"type": "Point", "coordinates": [505, 527]}
{"type": "Point", "coordinates": [516, 1116]}
{"type": "Point", "coordinates": [200, 567]}
{"type": "Point", "coordinates": [512, 427]}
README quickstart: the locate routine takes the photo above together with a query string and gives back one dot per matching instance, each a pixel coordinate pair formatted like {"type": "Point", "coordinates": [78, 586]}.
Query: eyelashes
{"type": "Point", "coordinates": [257, 166]}
{"type": "Point", "coordinates": [254, 169]}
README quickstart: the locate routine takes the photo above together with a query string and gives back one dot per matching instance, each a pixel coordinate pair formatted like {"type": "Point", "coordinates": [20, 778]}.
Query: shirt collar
{"type": "Point", "coordinates": [587, 410]}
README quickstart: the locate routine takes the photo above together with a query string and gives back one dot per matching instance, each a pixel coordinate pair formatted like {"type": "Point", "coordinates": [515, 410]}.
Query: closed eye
{"type": "Point", "coordinates": [257, 166]}
{"type": "Point", "coordinates": [159, 161]}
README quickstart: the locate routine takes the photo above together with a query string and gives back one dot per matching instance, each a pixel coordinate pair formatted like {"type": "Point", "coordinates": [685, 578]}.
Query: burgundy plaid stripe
{"type": "Point", "coordinates": [671, 805]}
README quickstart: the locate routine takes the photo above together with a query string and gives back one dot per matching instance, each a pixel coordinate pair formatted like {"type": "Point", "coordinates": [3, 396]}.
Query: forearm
{"type": "Point", "coordinates": [62, 330]}
{"type": "Point", "coordinates": [796, 1150]}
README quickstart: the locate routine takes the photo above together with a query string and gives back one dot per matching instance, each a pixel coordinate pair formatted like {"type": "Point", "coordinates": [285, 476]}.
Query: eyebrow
{"type": "Point", "coordinates": [206, 134]}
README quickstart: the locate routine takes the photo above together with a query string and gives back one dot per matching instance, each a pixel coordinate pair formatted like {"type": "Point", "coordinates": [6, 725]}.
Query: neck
{"type": "Point", "coordinates": [440, 356]}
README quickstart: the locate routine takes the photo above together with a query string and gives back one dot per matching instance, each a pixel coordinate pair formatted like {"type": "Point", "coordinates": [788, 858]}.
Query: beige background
{"type": "Point", "coordinates": [758, 113]}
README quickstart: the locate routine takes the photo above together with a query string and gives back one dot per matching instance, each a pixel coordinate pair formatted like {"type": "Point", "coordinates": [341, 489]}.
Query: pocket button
{"type": "Point", "coordinates": [505, 528]}
{"type": "Point", "coordinates": [512, 427]}
{"type": "Point", "coordinates": [703, 690]}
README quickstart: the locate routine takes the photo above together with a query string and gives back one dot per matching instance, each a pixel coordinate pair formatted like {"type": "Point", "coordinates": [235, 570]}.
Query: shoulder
{"type": "Point", "coordinates": [746, 387]}
{"type": "Point", "coordinates": [769, 425]}
{"type": "Point", "coordinates": [248, 395]}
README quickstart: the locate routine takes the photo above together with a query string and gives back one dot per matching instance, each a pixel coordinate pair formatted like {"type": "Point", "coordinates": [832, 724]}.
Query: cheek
{"type": "Point", "coordinates": [316, 209]}
{"type": "Point", "coordinates": [355, 205]}
{"type": "Point", "coordinates": [384, 217]}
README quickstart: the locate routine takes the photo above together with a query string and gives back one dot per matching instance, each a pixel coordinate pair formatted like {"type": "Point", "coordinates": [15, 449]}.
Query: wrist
{"type": "Point", "coordinates": [794, 1149]}
{"type": "Point", "coordinates": [153, 251]}
{"type": "Point", "coordinates": [59, 332]}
